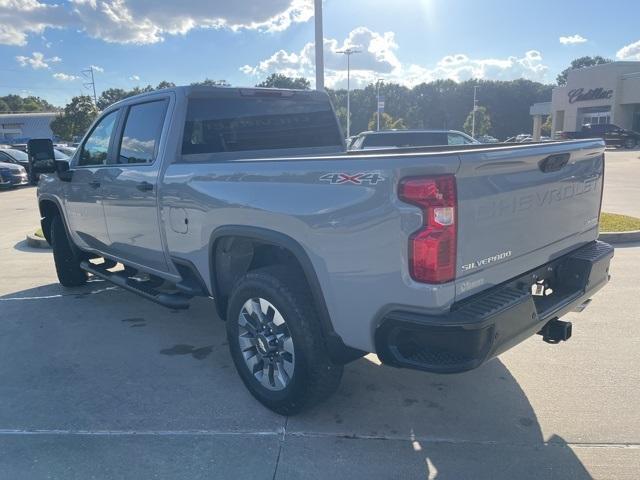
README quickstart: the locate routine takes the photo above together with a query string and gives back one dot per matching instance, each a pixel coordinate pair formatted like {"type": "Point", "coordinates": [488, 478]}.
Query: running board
{"type": "Point", "coordinates": [174, 301]}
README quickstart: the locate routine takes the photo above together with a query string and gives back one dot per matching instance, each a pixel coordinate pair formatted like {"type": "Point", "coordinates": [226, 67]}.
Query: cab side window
{"type": "Point", "coordinates": [141, 134]}
{"type": "Point", "coordinates": [96, 148]}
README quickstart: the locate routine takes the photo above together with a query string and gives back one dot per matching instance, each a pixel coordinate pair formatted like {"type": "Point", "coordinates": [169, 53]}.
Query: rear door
{"type": "Point", "coordinates": [523, 206]}
{"type": "Point", "coordinates": [131, 186]}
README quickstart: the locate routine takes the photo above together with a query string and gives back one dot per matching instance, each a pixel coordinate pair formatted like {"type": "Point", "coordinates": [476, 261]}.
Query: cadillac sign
{"type": "Point", "coordinates": [579, 94]}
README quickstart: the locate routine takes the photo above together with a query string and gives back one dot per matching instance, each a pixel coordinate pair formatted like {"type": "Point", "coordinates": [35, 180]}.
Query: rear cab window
{"type": "Point", "coordinates": [237, 121]}
{"type": "Point", "coordinates": [141, 133]}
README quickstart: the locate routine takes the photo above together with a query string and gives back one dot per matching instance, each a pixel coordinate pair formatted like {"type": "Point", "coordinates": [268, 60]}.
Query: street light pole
{"type": "Point", "coordinates": [319, 46]}
{"type": "Point", "coordinates": [475, 107]}
{"type": "Point", "coordinates": [378, 109]}
{"type": "Point", "coordinates": [348, 52]}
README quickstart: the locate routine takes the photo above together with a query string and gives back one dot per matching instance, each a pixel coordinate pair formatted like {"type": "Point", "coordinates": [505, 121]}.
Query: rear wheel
{"type": "Point", "coordinates": [630, 143]}
{"type": "Point", "coordinates": [67, 265]}
{"type": "Point", "coordinates": [276, 342]}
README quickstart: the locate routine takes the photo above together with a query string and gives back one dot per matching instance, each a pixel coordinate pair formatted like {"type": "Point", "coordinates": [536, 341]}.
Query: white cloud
{"type": "Point", "coordinates": [146, 21]}
{"type": "Point", "coordinates": [572, 39]}
{"type": "Point", "coordinates": [135, 78]}
{"type": "Point", "coordinates": [36, 61]}
{"type": "Point", "coordinates": [379, 60]}
{"type": "Point", "coordinates": [65, 77]}
{"type": "Point", "coordinates": [19, 18]}
{"type": "Point", "coordinates": [97, 68]}
{"type": "Point", "coordinates": [629, 52]}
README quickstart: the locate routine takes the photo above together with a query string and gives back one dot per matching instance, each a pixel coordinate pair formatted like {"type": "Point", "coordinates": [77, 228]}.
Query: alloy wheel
{"type": "Point", "coordinates": [266, 344]}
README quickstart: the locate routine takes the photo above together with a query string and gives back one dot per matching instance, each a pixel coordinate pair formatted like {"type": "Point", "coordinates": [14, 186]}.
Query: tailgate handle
{"type": "Point", "coordinates": [554, 163]}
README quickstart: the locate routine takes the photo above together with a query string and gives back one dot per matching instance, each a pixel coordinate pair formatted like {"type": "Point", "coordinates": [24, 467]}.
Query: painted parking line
{"type": "Point", "coordinates": [59, 295]}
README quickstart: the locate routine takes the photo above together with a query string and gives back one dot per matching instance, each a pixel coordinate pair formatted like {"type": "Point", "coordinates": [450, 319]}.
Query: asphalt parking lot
{"type": "Point", "coordinates": [98, 383]}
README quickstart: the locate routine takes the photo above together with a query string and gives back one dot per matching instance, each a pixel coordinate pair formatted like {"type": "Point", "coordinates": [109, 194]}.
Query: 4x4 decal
{"type": "Point", "coordinates": [364, 178]}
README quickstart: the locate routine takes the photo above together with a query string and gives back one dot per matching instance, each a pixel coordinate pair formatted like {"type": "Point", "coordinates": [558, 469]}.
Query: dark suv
{"type": "Point", "coordinates": [613, 135]}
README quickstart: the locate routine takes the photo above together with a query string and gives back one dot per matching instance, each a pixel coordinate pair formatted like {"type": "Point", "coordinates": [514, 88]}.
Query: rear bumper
{"type": "Point", "coordinates": [489, 323]}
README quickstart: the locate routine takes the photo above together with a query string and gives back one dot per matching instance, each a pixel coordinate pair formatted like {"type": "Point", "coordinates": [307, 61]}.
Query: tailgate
{"type": "Point", "coordinates": [522, 207]}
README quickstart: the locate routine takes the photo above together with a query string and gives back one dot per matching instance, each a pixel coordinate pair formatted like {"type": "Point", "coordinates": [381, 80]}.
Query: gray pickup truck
{"type": "Point", "coordinates": [436, 258]}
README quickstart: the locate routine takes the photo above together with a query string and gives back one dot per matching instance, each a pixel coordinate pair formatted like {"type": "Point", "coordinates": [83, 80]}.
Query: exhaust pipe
{"type": "Point", "coordinates": [556, 331]}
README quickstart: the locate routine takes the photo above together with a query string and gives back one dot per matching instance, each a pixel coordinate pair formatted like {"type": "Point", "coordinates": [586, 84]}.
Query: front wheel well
{"type": "Point", "coordinates": [48, 210]}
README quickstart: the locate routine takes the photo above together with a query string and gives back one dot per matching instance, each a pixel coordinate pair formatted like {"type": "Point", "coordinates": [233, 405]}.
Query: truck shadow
{"type": "Point", "coordinates": [479, 424]}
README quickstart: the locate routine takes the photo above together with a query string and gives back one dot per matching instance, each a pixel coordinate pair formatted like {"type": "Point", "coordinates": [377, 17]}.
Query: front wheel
{"type": "Point", "coordinates": [630, 143]}
{"type": "Point", "coordinates": [67, 264]}
{"type": "Point", "coordinates": [276, 342]}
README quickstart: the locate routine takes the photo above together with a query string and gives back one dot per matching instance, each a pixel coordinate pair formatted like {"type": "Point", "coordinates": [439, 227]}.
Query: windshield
{"type": "Point", "coordinates": [59, 155]}
{"type": "Point", "coordinates": [18, 155]}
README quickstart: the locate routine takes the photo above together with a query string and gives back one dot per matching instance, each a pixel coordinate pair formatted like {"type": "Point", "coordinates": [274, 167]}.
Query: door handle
{"type": "Point", "coordinates": [144, 186]}
{"type": "Point", "coordinates": [94, 184]}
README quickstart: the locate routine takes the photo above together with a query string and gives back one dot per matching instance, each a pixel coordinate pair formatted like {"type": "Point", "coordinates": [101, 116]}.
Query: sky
{"type": "Point", "coordinates": [46, 45]}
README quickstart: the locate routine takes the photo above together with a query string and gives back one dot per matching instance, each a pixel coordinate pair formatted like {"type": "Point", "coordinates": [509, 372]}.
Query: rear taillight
{"type": "Point", "coordinates": [432, 249]}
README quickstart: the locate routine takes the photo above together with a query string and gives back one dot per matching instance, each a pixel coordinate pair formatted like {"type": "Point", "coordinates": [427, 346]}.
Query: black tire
{"type": "Point", "coordinates": [630, 143]}
{"type": "Point", "coordinates": [67, 264]}
{"type": "Point", "coordinates": [314, 377]}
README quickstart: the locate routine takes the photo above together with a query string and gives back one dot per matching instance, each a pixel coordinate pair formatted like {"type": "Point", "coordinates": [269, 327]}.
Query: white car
{"type": "Point", "coordinates": [410, 138]}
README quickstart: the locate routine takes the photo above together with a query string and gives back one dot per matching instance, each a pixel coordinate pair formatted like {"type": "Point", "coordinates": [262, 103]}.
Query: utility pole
{"type": "Point", "coordinates": [475, 107]}
{"type": "Point", "coordinates": [88, 73]}
{"type": "Point", "coordinates": [348, 52]}
{"type": "Point", "coordinates": [319, 46]}
{"type": "Point", "coordinates": [379, 105]}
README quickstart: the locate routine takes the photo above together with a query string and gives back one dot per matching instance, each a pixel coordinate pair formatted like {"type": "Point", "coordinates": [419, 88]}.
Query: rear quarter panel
{"type": "Point", "coordinates": [355, 234]}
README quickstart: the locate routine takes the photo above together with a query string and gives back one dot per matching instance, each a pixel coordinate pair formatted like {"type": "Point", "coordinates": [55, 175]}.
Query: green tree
{"type": "Point", "coordinates": [76, 118]}
{"type": "Point", "coordinates": [546, 126]}
{"type": "Point", "coordinates": [278, 80]}
{"type": "Point", "coordinates": [581, 63]}
{"type": "Point", "coordinates": [387, 122]}
{"type": "Point", "coordinates": [16, 103]}
{"type": "Point", "coordinates": [483, 122]}
{"type": "Point", "coordinates": [165, 84]}
{"type": "Point", "coordinates": [4, 106]}
{"type": "Point", "coordinates": [111, 96]}
{"type": "Point", "coordinates": [207, 82]}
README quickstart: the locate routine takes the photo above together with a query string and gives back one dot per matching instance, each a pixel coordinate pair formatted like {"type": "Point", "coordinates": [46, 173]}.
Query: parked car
{"type": "Point", "coordinates": [12, 175]}
{"type": "Point", "coordinates": [410, 138]}
{"type": "Point", "coordinates": [17, 157]}
{"type": "Point", "coordinates": [613, 135]}
{"type": "Point", "coordinates": [487, 139]}
{"type": "Point", "coordinates": [435, 259]}
{"type": "Point", "coordinates": [68, 151]}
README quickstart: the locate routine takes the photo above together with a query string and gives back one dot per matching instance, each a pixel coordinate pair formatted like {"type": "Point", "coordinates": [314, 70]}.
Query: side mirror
{"type": "Point", "coordinates": [64, 172]}
{"type": "Point", "coordinates": [41, 156]}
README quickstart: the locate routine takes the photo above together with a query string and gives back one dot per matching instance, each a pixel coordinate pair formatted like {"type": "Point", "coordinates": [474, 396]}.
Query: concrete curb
{"type": "Point", "coordinates": [36, 242]}
{"type": "Point", "coordinates": [620, 237]}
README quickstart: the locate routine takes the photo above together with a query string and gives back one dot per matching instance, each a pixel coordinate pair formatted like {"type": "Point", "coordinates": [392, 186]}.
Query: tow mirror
{"type": "Point", "coordinates": [42, 159]}
{"type": "Point", "coordinates": [41, 156]}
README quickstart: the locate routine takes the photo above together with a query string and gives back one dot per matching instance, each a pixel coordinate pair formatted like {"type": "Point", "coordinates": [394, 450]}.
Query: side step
{"type": "Point", "coordinates": [174, 301]}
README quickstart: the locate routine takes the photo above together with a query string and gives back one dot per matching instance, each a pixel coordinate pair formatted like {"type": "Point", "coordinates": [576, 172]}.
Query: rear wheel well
{"type": "Point", "coordinates": [48, 210]}
{"type": "Point", "coordinates": [234, 253]}
{"type": "Point", "coordinates": [234, 256]}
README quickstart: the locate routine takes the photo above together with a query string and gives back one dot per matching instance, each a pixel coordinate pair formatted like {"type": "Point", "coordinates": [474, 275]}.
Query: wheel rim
{"type": "Point", "coordinates": [266, 344]}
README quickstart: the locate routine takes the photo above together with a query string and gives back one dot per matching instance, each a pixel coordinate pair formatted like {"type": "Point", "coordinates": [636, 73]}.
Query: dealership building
{"type": "Point", "coordinates": [20, 127]}
{"type": "Point", "coordinates": [607, 93]}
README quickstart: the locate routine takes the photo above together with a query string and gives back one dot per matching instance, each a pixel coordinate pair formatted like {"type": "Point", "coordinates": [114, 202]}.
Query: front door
{"type": "Point", "coordinates": [131, 187]}
{"type": "Point", "coordinates": [84, 193]}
